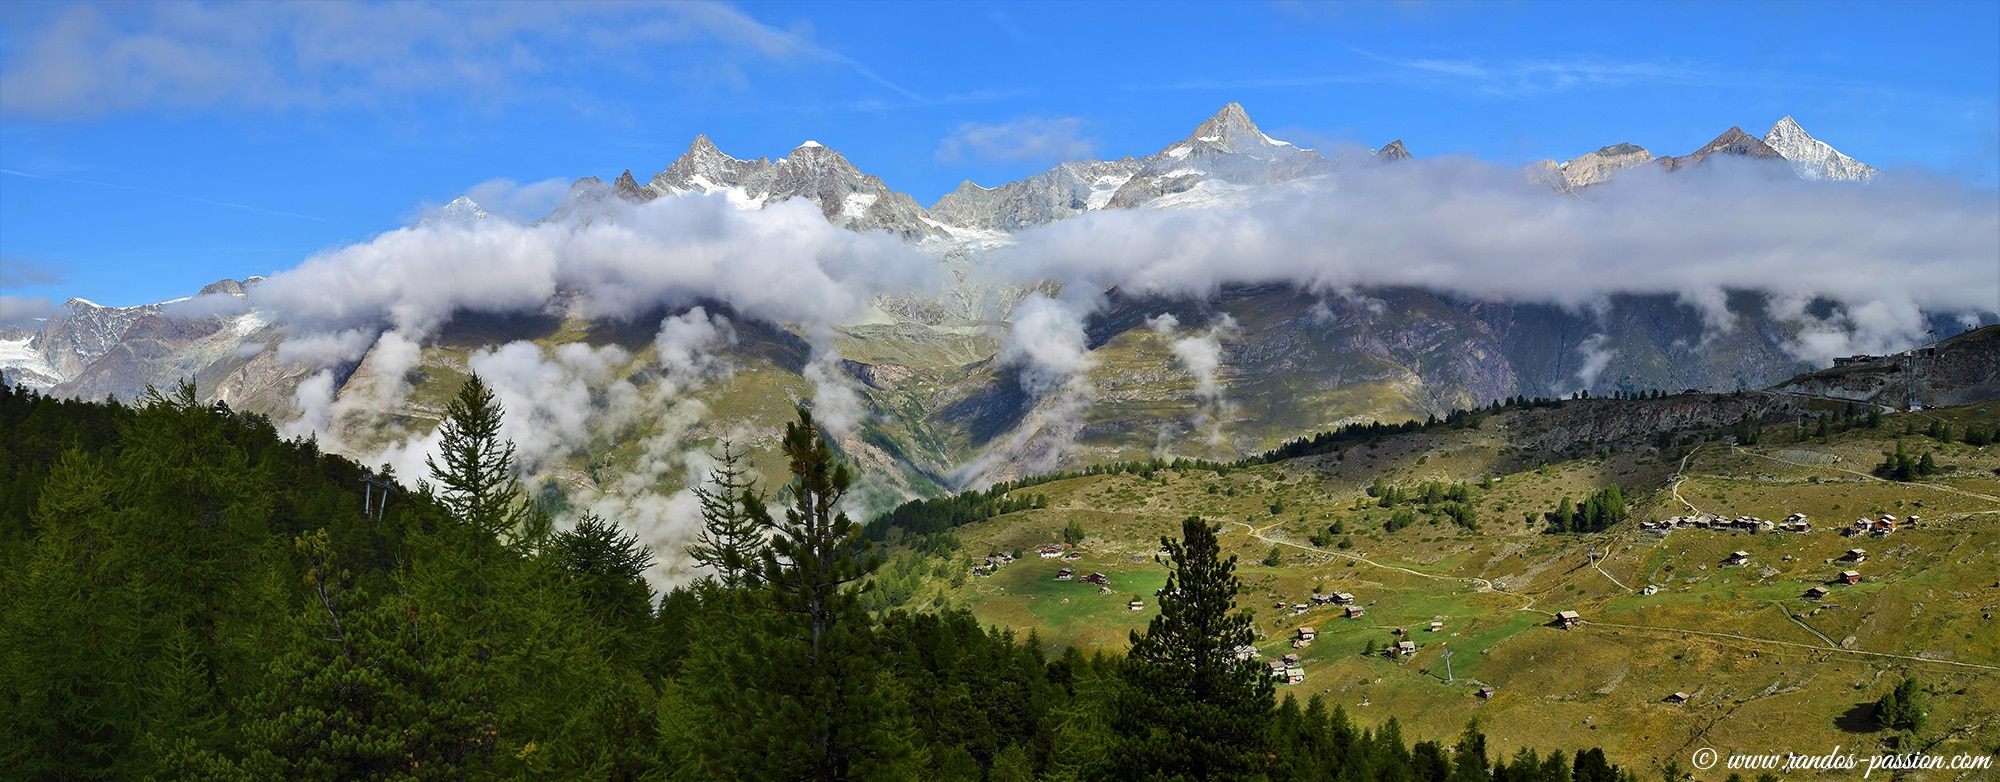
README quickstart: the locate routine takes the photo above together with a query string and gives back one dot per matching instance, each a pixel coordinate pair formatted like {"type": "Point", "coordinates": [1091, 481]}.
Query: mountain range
{"type": "Point", "coordinates": [939, 403]}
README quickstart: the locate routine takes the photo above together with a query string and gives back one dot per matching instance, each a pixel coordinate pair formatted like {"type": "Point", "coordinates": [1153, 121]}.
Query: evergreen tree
{"type": "Point", "coordinates": [808, 663]}
{"type": "Point", "coordinates": [1902, 708]}
{"type": "Point", "coordinates": [476, 482]}
{"type": "Point", "coordinates": [607, 567]}
{"type": "Point", "coordinates": [733, 522]}
{"type": "Point", "coordinates": [1193, 711]}
{"type": "Point", "coordinates": [1073, 532]}
{"type": "Point", "coordinates": [367, 689]}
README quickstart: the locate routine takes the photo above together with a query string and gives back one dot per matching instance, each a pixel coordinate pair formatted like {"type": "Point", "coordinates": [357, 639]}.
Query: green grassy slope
{"type": "Point", "coordinates": [1767, 669]}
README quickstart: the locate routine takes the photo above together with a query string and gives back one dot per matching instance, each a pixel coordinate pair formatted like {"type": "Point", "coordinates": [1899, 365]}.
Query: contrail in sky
{"type": "Point", "coordinates": [183, 196]}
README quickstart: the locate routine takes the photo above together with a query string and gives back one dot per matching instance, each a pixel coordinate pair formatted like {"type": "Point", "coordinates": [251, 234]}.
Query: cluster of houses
{"type": "Point", "coordinates": [1796, 522]}
{"type": "Point", "coordinates": [1289, 669]}
{"type": "Point", "coordinates": [1334, 599]}
{"type": "Point", "coordinates": [1845, 577]}
{"type": "Point", "coordinates": [991, 563]}
{"type": "Point", "coordinates": [1066, 574]}
{"type": "Point", "coordinates": [1057, 550]}
{"type": "Point", "coordinates": [1881, 528]}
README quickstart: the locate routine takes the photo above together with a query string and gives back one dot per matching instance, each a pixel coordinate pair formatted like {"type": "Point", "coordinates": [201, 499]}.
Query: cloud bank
{"type": "Point", "coordinates": [1884, 253]}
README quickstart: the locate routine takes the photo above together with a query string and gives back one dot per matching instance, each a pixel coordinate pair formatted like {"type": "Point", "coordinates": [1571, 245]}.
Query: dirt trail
{"type": "Point", "coordinates": [1775, 642]}
{"type": "Point", "coordinates": [1484, 585]}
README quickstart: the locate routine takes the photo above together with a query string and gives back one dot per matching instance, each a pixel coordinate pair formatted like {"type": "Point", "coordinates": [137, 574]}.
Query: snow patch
{"type": "Point", "coordinates": [1104, 188]}
{"type": "Point", "coordinates": [249, 322]}
{"type": "Point", "coordinates": [1178, 150]}
{"type": "Point", "coordinates": [809, 144]}
{"type": "Point", "coordinates": [21, 354]}
{"type": "Point", "coordinates": [856, 205]}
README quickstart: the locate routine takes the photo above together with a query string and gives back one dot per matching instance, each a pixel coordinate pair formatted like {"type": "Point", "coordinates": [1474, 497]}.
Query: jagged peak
{"type": "Point", "coordinates": [1228, 125]}
{"type": "Point", "coordinates": [809, 144]}
{"type": "Point", "coordinates": [461, 209]}
{"type": "Point", "coordinates": [1812, 158]}
{"type": "Point", "coordinates": [703, 146]}
{"type": "Point", "coordinates": [629, 189]}
{"type": "Point", "coordinates": [1393, 151]}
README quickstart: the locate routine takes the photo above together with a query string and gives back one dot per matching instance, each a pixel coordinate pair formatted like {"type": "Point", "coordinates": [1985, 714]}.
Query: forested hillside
{"type": "Point", "coordinates": [186, 595]}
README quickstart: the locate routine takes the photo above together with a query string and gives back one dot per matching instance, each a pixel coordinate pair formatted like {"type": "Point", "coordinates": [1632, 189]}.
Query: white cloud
{"type": "Point", "coordinates": [784, 263]}
{"type": "Point", "coordinates": [521, 203]}
{"type": "Point", "coordinates": [1033, 138]}
{"type": "Point", "coordinates": [1884, 251]}
{"type": "Point", "coordinates": [85, 61]}
{"type": "Point", "coordinates": [22, 311]}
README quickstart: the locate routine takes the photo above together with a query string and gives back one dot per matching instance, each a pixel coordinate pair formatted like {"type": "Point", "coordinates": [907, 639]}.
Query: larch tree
{"type": "Point", "coordinates": [734, 521]}
{"type": "Point", "coordinates": [475, 480]}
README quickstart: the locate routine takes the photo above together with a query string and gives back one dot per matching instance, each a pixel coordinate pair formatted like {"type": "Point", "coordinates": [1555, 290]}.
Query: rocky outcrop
{"type": "Point", "coordinates": [1068, 190]}
{"type": "Point", "coordinates": [1621, 424]}
{"type": "Point", "coordinates": [1588, 169]}
{"type": "Point", "coordinates": [1961, 370]}
{"type": "Point", "coordinates": [1392, 152]}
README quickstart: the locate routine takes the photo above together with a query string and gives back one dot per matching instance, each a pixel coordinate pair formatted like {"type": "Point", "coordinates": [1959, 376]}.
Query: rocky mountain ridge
{"type": "Point", "coordinates": [1809, 158]}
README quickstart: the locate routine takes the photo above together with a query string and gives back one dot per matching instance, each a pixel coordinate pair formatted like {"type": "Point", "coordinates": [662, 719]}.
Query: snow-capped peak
{"type": "Point", "coordinates": [809, 144]}
{"type": "Point", "coordinates": [1812, 158]}
{"type": "Point", "coordinates": [461, 210]}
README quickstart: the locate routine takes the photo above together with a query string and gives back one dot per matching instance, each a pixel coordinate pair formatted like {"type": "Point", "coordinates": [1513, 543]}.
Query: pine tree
{"type": "Point", "coordinates": [607, 567]}
{"type": "Point", "coordinates": [733, 522]}
{"type": "Point", "coordinates": [476, 482]}
{"type": "Point", "coordinates": [1194, 711]}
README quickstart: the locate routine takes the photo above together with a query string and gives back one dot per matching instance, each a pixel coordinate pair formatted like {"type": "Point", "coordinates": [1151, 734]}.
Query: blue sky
{"type": "Point", "coordinates": [148, 150]}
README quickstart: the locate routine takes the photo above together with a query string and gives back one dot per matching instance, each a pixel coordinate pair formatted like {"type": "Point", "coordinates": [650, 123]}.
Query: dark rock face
{"type": "Point", "coordinates": [1961, 370]}
{"type": "Point", "coordinates": [1733, 142]}
{"type": "Point", "coordinates": [629, 189]}
{"type": "Point", "coordinates": [1392, 152]}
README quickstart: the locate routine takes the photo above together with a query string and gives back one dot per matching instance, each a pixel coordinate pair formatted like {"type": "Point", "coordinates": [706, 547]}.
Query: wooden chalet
{"type": "Point", "coordinates": [1437, 627]}
{"type": "Point", "coordinates": [1816, 593]}
{"type": "Point", "coordinates": [1355, 612]}
{"type": "Point", "coordinates": [1856, 555]}
{"type": "Point", "coordinates": [1406, 648]}
{"type": "Point", "coordinates": [1677, 699]}
{"type": "Point", "coordinates": [1568, 619]}
{"type": "Point", "coordinates": [1065, 574]}
{"type": "Point", "coordinates": [1850, 577]}
{"type": "Point", "coordinates": [1486, 692]}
